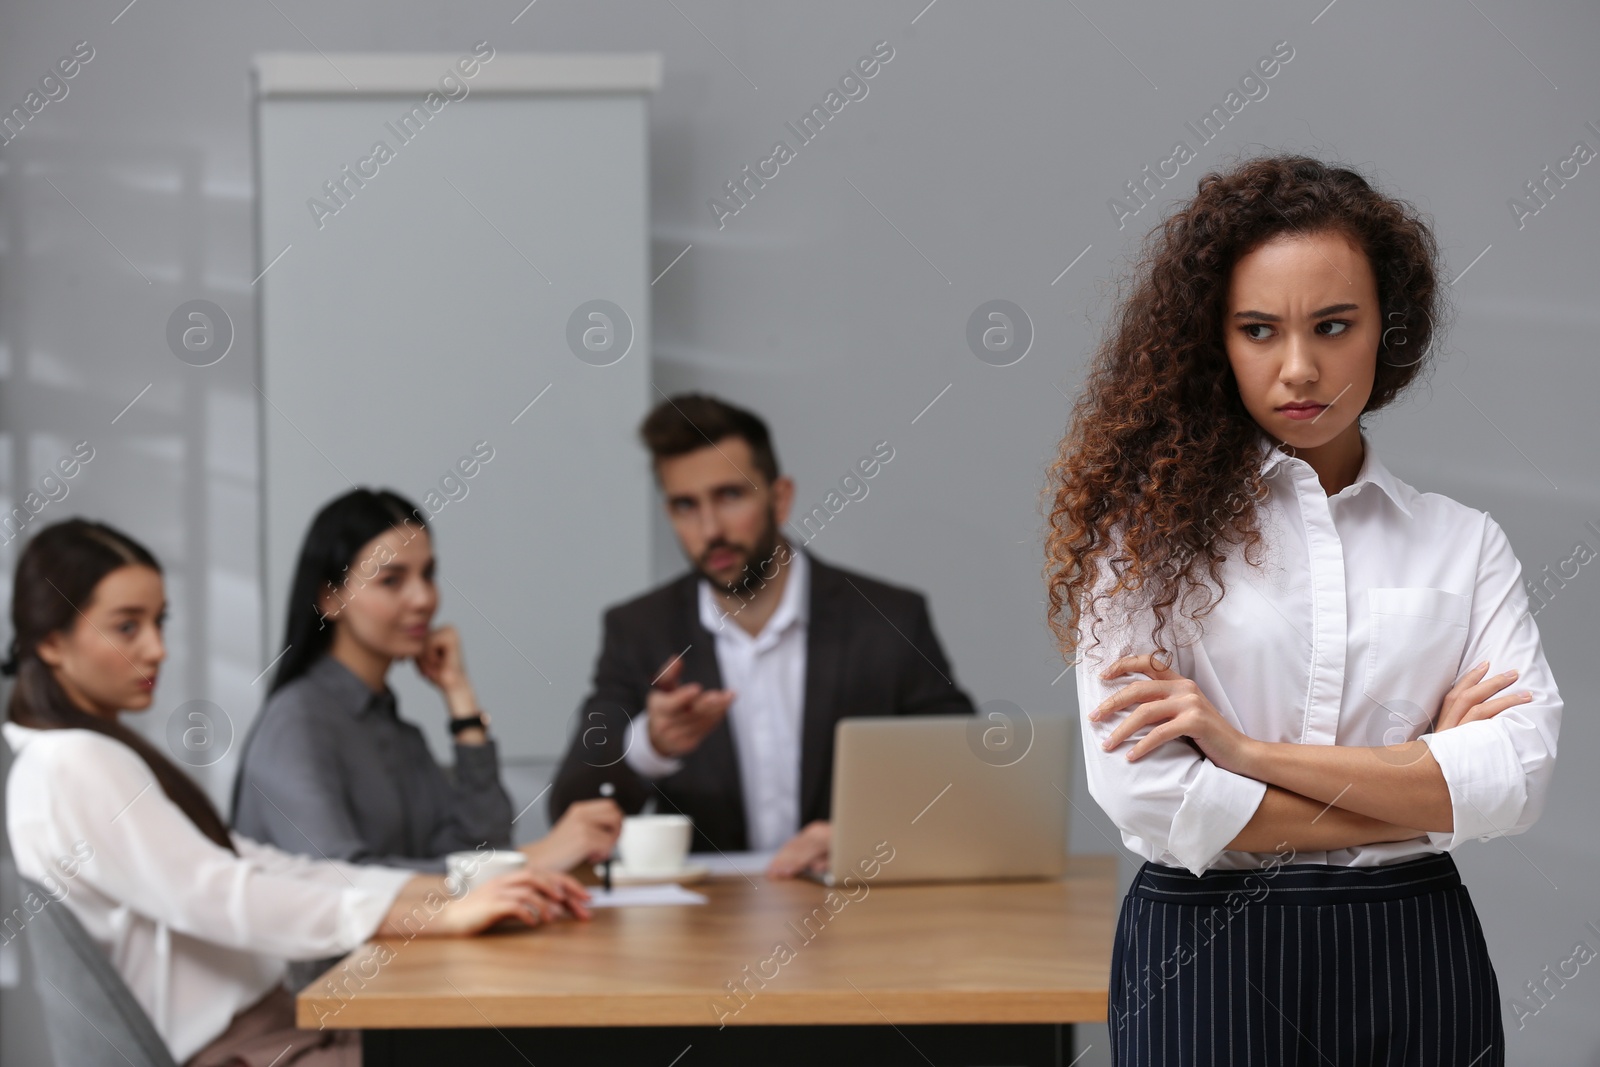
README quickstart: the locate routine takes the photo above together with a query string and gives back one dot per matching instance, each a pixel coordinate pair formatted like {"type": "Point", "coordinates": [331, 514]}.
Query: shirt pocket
{"type": "Point", "coordinates": [1415, 639]}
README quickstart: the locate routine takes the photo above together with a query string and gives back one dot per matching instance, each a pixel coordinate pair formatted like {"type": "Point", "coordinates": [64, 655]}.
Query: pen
{"type": "Point", "coordinates": [606, 789]}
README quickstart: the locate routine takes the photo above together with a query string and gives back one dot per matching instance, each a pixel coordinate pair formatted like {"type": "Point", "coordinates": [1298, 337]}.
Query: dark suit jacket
{"type": "Point", "coordinates": [870, 650]}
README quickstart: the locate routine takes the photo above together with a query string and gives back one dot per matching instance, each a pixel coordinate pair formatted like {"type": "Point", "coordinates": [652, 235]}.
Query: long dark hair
{"type": "Point", "coordinates": [327, 554]}
{"type": "Point", "coordinates": [56, 579]}
{"type": "Point", "coordinates": [1161, 445]}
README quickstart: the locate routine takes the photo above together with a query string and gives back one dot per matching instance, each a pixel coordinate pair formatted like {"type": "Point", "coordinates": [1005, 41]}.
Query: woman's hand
{"type": "Point", "coordinates": [1174, 707]}
{"type": "Point", "coordinates": [527, 895]}
{"type": "Point", "coordinates": [1468, 700]}
{"type": "Point", "coordinates": [530, 895]}
{"type": "Point", "coordinates": [558, 890]}
{"type": "Point", "coordinates": [441, 663]}
{"type": "Point", "coordinates": [586, 833]}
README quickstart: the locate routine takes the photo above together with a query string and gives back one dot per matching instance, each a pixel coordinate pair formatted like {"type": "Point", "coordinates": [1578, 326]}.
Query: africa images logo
{"type": "Point", "coordinates": [342, 188]}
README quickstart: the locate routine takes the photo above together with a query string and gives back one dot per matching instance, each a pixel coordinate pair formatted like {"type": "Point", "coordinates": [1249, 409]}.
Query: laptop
{"type": "Point", "coordinates": [943, 798]}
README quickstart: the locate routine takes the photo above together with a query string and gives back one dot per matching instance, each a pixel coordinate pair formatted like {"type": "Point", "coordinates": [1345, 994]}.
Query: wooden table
{"type": "Point", "coordinates": [969, 973]}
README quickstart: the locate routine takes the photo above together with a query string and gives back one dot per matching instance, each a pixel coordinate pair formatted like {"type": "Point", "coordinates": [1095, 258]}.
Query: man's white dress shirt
{"type": "Point", "coordinates": [1370, 605]}
{"type": "Point", "coordinates": [197, 932]}
{"type": "Point", "coordinates": [768, 673]}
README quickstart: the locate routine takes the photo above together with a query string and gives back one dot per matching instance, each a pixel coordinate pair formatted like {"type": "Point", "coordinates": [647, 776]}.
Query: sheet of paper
{"type": "Point", "coordinates": [751, 864]}
{"type": "Point", "coordinates": [633, 896]}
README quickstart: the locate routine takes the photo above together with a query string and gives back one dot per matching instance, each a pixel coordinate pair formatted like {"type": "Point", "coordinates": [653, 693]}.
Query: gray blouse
{"type": "Point", "coordinates": [331, 770]}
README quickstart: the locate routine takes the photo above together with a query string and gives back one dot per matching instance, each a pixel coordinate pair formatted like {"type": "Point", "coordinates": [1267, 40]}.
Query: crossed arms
{"type": "Point", "coordinates": [1317, 797]}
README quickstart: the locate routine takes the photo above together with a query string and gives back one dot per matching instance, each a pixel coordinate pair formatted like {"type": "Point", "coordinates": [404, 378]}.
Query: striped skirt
{"type": "Point", "coordinates": [1303, 964]}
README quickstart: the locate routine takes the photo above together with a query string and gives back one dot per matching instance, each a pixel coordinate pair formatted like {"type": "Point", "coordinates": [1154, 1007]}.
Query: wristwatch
{"type": "Point", "coordinates": [476, 719]}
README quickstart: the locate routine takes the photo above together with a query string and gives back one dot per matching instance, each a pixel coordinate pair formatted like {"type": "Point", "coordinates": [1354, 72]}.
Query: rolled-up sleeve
{"type": "Point", "coordinates": [1182, 806]}
{"type": "Point", "coordinates": [1498, 770]}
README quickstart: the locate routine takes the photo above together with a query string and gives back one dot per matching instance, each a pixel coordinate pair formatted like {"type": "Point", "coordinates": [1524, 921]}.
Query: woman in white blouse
{"type": "Point", "coordinates": [1296, 759]}
{"type": "Point", "coordinates": [197, 921]}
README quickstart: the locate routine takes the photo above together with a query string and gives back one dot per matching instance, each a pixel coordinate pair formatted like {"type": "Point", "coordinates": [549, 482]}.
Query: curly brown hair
{"type": "Point", "coordinates": [1159, 474]}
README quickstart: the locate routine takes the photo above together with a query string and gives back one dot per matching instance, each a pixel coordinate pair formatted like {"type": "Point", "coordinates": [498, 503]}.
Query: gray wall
{"type": "Point", "coordinates": [470, 343]}
{"type": "Point", "coordinates": [978, 167]}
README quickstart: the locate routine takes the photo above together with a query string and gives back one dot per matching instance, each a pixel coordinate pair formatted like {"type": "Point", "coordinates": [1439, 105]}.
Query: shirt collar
{"type": "Point", "coordinates": [17, 735]}
{"type": "Point", "coordinates": [351, 692]}
{"type": "Point", "coordinates": [1373, 471]}
{"type": "Point", "coordinates": [794, 606]}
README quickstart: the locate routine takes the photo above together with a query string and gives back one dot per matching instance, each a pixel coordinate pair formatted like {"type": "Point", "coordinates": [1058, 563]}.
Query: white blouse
{"type": "Point", "coordinates": [197, 933]}
{"type": "Point", "coordinates": [1370, 605]}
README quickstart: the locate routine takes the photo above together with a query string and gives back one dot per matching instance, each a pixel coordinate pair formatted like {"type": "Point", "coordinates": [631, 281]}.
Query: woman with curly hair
{"type": "Point", "coordinates": [1295, 760]}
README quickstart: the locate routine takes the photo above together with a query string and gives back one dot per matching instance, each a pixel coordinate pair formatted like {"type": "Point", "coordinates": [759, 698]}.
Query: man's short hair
{"type": "Point", "coordinates": [689, 421]}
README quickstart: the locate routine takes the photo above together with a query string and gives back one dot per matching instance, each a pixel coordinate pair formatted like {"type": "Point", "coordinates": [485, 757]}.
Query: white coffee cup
{"type": "Point", "coordinates": [469, 869]}
{"type": "Point", "coordinates": [654, 844]}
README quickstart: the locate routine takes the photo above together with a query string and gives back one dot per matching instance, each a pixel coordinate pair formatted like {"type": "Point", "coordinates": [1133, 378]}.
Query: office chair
{"type": "Point", "coordinates": [89, 1012]}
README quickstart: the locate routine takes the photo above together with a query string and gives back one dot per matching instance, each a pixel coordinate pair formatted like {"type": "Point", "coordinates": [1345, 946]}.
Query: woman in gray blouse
{"type": "Point", "coordinates": [330, 769]}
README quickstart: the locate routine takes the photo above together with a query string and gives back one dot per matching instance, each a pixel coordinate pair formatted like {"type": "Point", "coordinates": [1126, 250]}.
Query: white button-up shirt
{"type": "Point", "coordinates": [196, 932]}
{"type": "Point", "coordinates": [1370, 605]}
{"type": "Point", "coordinates": [768, 673]}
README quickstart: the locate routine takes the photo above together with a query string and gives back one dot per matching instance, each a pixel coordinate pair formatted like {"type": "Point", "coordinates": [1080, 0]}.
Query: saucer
{"type": "Point", "coordinates": [620, 875]}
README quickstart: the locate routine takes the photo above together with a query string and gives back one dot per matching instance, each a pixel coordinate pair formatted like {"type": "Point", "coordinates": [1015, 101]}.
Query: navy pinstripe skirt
{"type": "Point", "coordinates": [1303, 964]}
